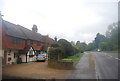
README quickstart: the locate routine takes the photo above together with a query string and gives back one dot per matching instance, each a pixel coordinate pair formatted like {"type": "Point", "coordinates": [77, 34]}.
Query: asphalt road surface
{"type": "Point", "coordinates": [106, 65]}
{"type": "Point", "coordinates": [83, 69]}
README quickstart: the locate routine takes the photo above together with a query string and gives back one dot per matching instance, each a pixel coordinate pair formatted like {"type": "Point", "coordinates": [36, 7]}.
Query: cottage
{"type": "Point", "coordinates": [20, 42]}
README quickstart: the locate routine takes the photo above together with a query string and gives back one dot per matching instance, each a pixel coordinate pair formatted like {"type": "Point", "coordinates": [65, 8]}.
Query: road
{"type": "Point", "coordinates": [84, 69]}
{"type": "Point", "coordinates": [106, 65]}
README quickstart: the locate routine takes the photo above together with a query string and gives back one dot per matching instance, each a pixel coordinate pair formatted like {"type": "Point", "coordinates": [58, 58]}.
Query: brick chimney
{"type": "Point", "coordinates": [55, 39]}
{"type": "Point", "coordinates": [34, 28]}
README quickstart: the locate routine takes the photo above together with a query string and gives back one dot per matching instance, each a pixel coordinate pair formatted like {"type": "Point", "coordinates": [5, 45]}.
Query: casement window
{"type": "Point", "coordinates": [15, 41]}
{"type": "Point", "coordinates": [38, 43]}
{"type": "Point", "coordinates": [31, 52]}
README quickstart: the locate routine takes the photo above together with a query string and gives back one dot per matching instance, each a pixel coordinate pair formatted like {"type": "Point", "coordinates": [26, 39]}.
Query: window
{"type": "Point", "coordinates": [15, 41]}
{"type": "Point", "coordinates": [15, 55]}
{"type": "Point", "coordinates": [31, 52]}
{"type": "Point", "coordinates": [38, 43]}
{"type": "Point", "coordinates": [31, 42]}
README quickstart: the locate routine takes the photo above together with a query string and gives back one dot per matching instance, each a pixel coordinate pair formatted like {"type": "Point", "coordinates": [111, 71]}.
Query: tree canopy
{"type": "Point", "coordinates": [61, 49]}
{"type": "Point", "coordinates": [109, 41]}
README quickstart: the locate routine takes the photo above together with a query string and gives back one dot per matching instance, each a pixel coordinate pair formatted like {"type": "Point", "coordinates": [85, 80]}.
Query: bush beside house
{"type": "Point", "coordinates": [59, 52]}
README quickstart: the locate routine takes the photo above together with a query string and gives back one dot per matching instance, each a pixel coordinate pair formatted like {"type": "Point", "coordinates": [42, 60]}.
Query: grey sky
{"type": "Point", "coordinates": [69, 19]}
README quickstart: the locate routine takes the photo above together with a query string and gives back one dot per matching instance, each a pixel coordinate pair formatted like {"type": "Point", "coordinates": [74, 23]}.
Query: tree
{"type": "Point", "coordinates": [81, 46]}
{"type": "Point", "coordinates": [72, 43]}
{"type": "Point", "coordinates": [99, 38]}
{"type": "Point", "coordinates": [68, 48]}
{"type": "Point", "coordinates": [55, 53]}
{"type": "Point", "coordinates": [109, 41]}
{"type": "Point", "coordinates": [112, 35]}
{"type": "Point", "coordinates": [77, 43]}
{"type": "Point", "coordinates": [90, 46]}
{"type": "Point", "coordinates": [55, 45]}
{"type": "Point", "coordinates": [103, 46]}
{"type": "Point", "coordinates": [75, 49]}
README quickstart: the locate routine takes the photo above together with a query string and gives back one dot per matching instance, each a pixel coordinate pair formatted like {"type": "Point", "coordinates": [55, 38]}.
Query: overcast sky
{"type": "Point", "coordinates": [69, 19]}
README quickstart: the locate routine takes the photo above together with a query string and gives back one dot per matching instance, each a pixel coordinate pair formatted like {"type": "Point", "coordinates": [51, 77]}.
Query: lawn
{"type": "Point", "coordinates": [73, 58]}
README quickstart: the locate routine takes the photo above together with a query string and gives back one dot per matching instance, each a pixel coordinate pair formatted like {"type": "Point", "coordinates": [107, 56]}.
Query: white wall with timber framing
{"type": "Point", "coordinates": [31, 57]}
{"type": "Point", "coordinates": [9, 56]}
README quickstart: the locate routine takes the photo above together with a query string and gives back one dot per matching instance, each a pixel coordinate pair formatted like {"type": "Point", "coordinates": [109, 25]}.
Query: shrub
{"type": "Point", "coordinates": [55, 45]}
{"type": "Point", "coordinates": [61, 49]}
{"type": "Point", "coordinates": [55, 53]}
{"type": "Point", "coordinates": [67, 47]}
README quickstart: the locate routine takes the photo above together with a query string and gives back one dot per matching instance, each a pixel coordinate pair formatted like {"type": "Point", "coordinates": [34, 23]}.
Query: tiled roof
{"type": "Point", "coordinates": [45, 37]}
{"type": "Point", "coordinates": [31, 34]}
{"type": "Point", "coordinates": [12, 30]}
{"type": "Point", "coordinates": [22, 32]}
{"type": "Point", "coordinates": [51, 40]}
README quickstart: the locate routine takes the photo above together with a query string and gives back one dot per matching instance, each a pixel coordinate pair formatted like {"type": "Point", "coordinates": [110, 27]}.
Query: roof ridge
{"type": "Point", "coordinates": [29, 30]}
{"type": "Point", "coordinates": [8, 22]}
{"type": "Point", "coordinates": [19, 31]}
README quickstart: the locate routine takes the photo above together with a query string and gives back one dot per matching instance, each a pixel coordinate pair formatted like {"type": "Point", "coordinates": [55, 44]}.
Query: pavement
{"type": "Point", "coordinates": [106, 65]}
{"type": "Point", "coordinates": [83, 69]}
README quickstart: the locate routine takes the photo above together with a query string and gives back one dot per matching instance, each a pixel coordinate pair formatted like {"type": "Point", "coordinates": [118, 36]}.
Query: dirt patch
{"type": "Point", "coordinates": [35, 70]}
{"type": "Point", "coordinates": [91, 60]}
{"type": "Point", "coordinates": [92, 64]}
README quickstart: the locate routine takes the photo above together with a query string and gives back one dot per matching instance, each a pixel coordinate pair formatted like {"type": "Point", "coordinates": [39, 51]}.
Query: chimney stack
{"type": "Point", "coordinates": [55, 39]}
{"type": "Point", "coordinates": [34, 28]}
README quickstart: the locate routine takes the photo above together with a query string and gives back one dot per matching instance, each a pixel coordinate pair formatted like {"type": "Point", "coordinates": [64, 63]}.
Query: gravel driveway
{"type": "Point", "coordinates": [34, 70]}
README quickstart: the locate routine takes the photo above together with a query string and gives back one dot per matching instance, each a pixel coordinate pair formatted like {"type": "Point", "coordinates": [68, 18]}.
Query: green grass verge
{"type": "Point", "coordinates": [73, 58]}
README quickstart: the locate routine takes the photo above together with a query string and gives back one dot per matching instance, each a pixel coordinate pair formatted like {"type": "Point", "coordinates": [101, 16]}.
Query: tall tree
{"type": "Point", "coordinates": [103, 46]}
{"type": "Point", "coordinates": [74, 47]}
{"type": "Point", "coordinates": [72, 43]}
{"type": "Point", "coordinates": [81, 46]}
{"type": "Point", "coordinates": [77, 43]}
{"type": "Point", "coordinates": [99, 38]}
{"type": "Point", "coordinates": [90, 46]}
{"type": "Point", "coordinates": [112, 35]}
{"type": "Point", "coordinates": [109, 41]}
